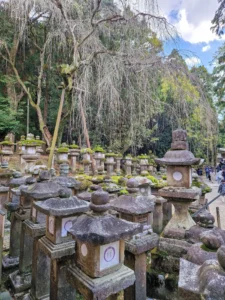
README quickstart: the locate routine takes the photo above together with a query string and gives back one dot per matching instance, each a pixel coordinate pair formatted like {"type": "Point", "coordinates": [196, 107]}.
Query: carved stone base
{"type": "Point", "coordinates": [56, 251]}
{"type": "Point", "coordinates": [100, 288]}
{"type": "Point", "coordinates": [10, 262]}
{"type": "Point", "coordinates": [20, 282]}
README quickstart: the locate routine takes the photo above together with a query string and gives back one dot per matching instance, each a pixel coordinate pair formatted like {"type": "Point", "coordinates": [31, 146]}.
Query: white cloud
{"type": "Point", "coordinates": [193, 20]}
{"type": "Point", "coordinates": [206, 48]}
{"type": "Point", "coordinates": [193, 61]}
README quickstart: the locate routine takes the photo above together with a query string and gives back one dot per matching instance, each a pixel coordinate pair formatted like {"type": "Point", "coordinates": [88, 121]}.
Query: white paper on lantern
{"type": "Point", "coordinates": [84, 250]}
{"type": "Point", "coordinates": [177, 176]}
{"type": "Point", "coordinates": [109, 255]}
{"type": "Point", "coordinates": [66, 225]}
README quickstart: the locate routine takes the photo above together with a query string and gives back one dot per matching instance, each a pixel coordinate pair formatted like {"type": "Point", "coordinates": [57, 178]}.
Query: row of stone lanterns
{"type": "Point", "coordinates": [47, 209]}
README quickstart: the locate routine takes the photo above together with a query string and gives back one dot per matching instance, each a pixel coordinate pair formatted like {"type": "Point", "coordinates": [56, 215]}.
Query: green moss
{"type": "Point", "coordinates": [203, 247]}
{"type": "Point", "coordinates": [116, 179]}
{"type": "Point", "coordinates": [7, 143]}
{"type": "Point", "coordinates": [134, 159]}
{"type": "Point", "coordinates": [153, 179]}
{"type": "Point", "coordinates": [122, 181]}
{"type": "Point", "coordinates": [86, 150]}
{"type": "Point", "coordinates": [86, 162]}
{"type": "Point", "coordinates": [123, 192]}
{"type": "Point", "coordinates": [62, 161]}
{"type": "Point", "coordinates": [98, 148]}
{"type": "Point", "coordinates": [85, 184]}
{"type": "Point", "coordinates": [110, 154]}
{"type": "Point", "coordinates": [205, 188]}
{"type": "Point", "coordinates": [160, 253]}
{"type": "Point", "coordinates": [164, 177]}
{"type": "Point", "coordinates": [74, 146]}
{"type": "Point", "coordinates": [63, 150]}
{"type": "Point", "coordinates": [143, 156]}
{"type": "Point", "coordinates": [30, 143]}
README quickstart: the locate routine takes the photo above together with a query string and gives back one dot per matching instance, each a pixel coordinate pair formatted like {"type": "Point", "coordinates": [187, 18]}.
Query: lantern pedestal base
{"type": "Point", "coordinates": [21, 279]}
{"type": "Point", "coordinates": [100, 288]}
{"type": "Point", "coordinates": [135, 258]}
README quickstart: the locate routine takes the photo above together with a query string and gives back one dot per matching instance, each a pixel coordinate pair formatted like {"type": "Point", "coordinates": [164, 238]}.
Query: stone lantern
{"type": "Point", "coordinates": [86, 159]}
{"type": "Point", "coordinates": [99, 240]}
{"type": "Point", "coordinates": [137, 207]}
{"type": "Point", "coordinates": [179, 178]}
{"type": "Point", "coordinates": [118, 159]}
{"type": "Point", "coordinates": [62, 154]}
{"type": "Point", "coordinates": [6, 152]}
{"type": "Point", "coordinates": [68, 182]}
{"type": "Point", "coordinates": [110, 162]}
{"type": "Point", "coordinates": [128, 165]}
{"type": "Point", "coordinates": [74, 152]}
{"type": "Point", "coordinates": [99, 155]}
{"type": "Point", "coordinates": [56, 249]}
{"type": "Point", "coordinates": [18, 215]}
{"type": "Point", "coordinates": [21, 146]}
{"type": "Point", "coordinates": [39, 145]}
{"type": "Point", "coordinates": [30, 156]}
{"type": "Point", "coordinates": [32, 228]}
{"type": "Point", "coordinates": [143, 164]}
{"type": "Point", "coordinates": [134, 207]}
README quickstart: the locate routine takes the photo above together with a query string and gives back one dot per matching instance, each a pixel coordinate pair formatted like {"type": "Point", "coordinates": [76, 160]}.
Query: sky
{"type": "Point", "coordinates": [192, 18]}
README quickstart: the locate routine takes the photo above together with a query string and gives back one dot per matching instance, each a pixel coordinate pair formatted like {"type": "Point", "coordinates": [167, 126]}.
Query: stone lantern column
{"type": "Point", "coordinates": [143, 164]}
{"type": "Point", "coordinates": [137, 207]}
{"type": "Point", "coordinates": [110, 162]}
{"type": "Point", "coordinates": [74, 154]}
{"type": "Point", "coordinates": [6, 152]}
{"type": "Point", "coordinates": [179, 178]}
{"type": "Point", "coordinates": [32, 229]}
{"type": "Point", "coordinates": [128, 165]}
{"type": "Point", "coordinates": [100, 251]}
{"type": "Point", "coordinates": [30, 156]}
{"type": "Point", "coordinates": [18, 215]}
{"type": "Point", "coordinates": [56, 249]}
{"type": "Point", "coordinates": [174, 239]}
{"type": "Point", "coordinates": [39, 149]}
{"type": "Point", "coordinates": [118, 164]}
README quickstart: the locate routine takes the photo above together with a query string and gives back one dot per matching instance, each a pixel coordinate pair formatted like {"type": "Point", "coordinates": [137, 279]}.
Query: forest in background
{"type": "Point", "coordinates": [120, 90]}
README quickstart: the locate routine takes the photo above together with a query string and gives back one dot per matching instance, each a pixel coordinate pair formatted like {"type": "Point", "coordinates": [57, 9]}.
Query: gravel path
{"type": "Point", "coordinates": [217, 203]}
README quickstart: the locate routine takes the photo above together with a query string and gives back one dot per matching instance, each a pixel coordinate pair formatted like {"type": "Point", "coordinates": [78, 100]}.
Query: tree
{"type": "Point", "coordinates": [79, 28]}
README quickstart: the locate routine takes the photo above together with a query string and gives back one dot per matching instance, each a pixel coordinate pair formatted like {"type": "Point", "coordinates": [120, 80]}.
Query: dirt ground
{"type": "Point", "coordinates": [217, 203]}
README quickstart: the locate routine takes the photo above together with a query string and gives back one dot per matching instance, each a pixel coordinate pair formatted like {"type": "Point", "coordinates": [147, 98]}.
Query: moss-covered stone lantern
{"type": "Point", "coordinates": [179, 163]}
{"type": "Point", "coordinates": [99, 240]}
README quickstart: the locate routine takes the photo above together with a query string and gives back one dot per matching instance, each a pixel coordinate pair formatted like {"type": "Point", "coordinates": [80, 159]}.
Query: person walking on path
{"type": "Point", "coordinates": [207, 172]}
{"type": "Point", "coordinates": [219, 176]}
{"type": "Point", "coordinates": [221, 190]}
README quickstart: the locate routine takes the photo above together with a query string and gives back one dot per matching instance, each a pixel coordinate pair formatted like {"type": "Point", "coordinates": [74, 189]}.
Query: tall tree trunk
{"type": "Point", "coordinates": [55, 135]}
{"type": "Point", "coordinates": [86, 134]}
{"type": "Point", "coordinates": [46, 102]}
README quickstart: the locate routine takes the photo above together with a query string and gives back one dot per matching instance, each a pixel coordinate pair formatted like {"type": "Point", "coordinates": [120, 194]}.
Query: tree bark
{"type": "Point", "coordinates": [86, 134]}
{"type": "Point", "coordinates": [56, 129]}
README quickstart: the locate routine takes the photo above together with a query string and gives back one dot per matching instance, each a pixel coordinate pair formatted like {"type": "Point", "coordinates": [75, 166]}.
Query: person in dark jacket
{"type": "Point", "coordinates": [221, 190]}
